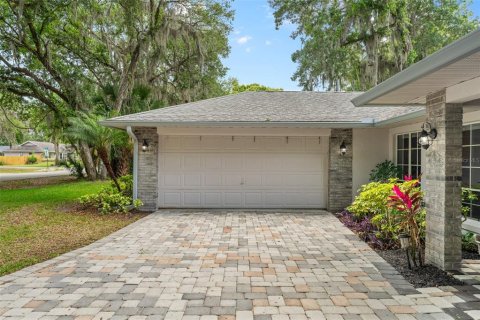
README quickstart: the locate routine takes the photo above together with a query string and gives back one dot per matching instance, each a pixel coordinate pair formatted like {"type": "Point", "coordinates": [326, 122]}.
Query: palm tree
{"type": "Point", "coordinates": [87, 129]}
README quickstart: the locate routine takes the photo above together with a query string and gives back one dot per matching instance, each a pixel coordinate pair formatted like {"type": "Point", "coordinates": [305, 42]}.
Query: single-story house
{"type": "Point", "coordinates": [37, 148]}
{"type": "Point", "coordinates": [315, 149]}
{"type": "Point", "coordinates": [3, 148]}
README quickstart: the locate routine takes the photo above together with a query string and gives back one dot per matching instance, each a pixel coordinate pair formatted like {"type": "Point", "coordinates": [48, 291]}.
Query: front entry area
{"type": "Point", "coordinates": [242, 172]}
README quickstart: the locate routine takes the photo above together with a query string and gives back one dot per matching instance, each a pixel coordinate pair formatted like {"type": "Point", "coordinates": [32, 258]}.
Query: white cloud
{"type": "Point", "coordinates": [268, 43]}
{"type": "Point", "coordinates": [243, 39]}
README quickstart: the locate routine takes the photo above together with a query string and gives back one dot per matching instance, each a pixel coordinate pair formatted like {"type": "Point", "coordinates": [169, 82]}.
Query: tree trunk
{"type": "Point", "coordinates": [57, 151]}
{"type": "Point", "coordinates": [125, 86]}
{"type": "Point", "coordinates": [102, 171]}
{"type": "Point", "coordinates": [87, 160]}
{"type": "Point", "coordinates": [123, 161]}
{"type": "Point", "coordinates": [103, 154]}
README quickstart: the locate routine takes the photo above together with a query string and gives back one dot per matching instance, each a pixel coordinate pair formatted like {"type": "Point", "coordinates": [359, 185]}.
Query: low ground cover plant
{"type": "Point", "coordinates": [111, 200]}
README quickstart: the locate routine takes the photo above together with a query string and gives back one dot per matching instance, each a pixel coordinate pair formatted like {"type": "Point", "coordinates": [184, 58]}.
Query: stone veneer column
{"type": "Point", "coordinates": [147, 168]}
{"type": "Point", "coordinates": [340, 170]}
{"type": "Point", "coordinates": [442, 183]}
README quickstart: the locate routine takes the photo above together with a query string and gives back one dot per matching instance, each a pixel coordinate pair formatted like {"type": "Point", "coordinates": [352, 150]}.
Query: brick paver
{"type": "Point", "coordinates": [224, 265]}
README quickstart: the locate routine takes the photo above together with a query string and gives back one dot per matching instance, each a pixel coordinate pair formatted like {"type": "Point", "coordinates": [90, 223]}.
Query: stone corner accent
{"type": "Point", "coordinates": [147, 168]}
{"type": "Point", "coordinates": [442, 184]}
{"type": "Point", "coordinates": [340, 170]}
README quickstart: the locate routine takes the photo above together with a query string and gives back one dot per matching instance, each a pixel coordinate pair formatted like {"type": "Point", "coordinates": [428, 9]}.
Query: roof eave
{"type": "Point", "coordinates": [404, 117]}
{"type": "Point", "coordinates": [456, 51]}
{"type": "Point", "coordinates": [314, 124]}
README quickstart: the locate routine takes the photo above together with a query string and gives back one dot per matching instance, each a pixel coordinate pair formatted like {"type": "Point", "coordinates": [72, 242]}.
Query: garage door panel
{"type": "Point", "coordinates": [192, 162]}
{"type": "Point", "coordinates": [213, 180]}
{"type": "Point", "coordinates": [232, 180]}
{"type": "Point", "coordinates": [172, 180]}
{"type": "Point", "coordinates": [192, 199]}
{"type": "Point", "coordinates": [213, 162]}
{"type": "Point", "coordinates": [233, 199]}
{"type": "Point", "coordinates": [273, 180]}
{"type": "Point", "coordinates": [253, 199]}
{"type": "Point", "coordinates": [273, 163]}
{"type": "Point", "coordinates": [213, 199]}
{"type": "Point", "coordinates": [253, 172]}
{"type": "Point", "coordinates": [192, 180]}
{"type": "Point", "coordinates": [172, 199]}
{"type": "Point", "coordinates": [171, 162]}
{"type": "Point", "coordinates": [253, 180]}
{"type": "Point", "coordinates": [232, 162]}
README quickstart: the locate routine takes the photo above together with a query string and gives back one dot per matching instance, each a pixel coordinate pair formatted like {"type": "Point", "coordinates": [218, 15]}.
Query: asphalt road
{"type": "Point", "coordinates": [33, 175]}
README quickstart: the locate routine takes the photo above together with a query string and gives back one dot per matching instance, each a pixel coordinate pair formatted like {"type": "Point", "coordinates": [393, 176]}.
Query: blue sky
{"type": "Point", "coordinates": [261, 54]}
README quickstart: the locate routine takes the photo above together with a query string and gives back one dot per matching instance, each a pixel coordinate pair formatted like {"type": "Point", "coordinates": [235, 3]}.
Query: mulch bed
{"type": "Point", "coordinates": [421, 277]}
{"type": "Point", "coordinates": [470, 255]}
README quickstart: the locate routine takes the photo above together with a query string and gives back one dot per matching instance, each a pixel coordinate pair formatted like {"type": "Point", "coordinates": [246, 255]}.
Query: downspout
{"type": "Point", "coordinates": [135, 161]}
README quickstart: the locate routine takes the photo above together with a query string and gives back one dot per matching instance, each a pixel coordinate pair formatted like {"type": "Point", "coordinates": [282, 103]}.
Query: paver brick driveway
{"type": "Point", "coordinates": [218, 265]}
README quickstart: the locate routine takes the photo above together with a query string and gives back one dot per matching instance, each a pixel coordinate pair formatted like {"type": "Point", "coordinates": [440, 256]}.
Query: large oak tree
{"type": "Point", "coordinates": [356, 44]}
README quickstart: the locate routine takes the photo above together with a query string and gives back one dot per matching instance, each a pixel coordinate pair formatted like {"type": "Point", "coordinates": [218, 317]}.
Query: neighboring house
{"type": "Point", "coordinates": [284, 149]}
{"type": "Point", "coordinates": [37, 148]}
{"type": "Point", "coordinates": [3, 148]}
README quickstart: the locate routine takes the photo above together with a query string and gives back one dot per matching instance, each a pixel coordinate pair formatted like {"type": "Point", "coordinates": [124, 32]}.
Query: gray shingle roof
{"type": "Point", "coordinates": [36, 146]}
{"type": "Point", "coordinates": [282, 106]}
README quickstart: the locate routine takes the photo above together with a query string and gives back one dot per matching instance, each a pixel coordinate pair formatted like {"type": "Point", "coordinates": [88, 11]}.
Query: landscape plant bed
{"type": "Point", "coordinates": [420, 277]}
{"type": "Point", "coordinates": [470, 255]}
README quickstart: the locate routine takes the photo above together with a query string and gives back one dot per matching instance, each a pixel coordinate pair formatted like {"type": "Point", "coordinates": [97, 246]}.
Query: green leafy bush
{"type": "Point", "coordinates": [467, 197]}
{"type": "Point", "coordinates": [372, 199]}
{"type": "Point", "coordinates": [31, 159]}
{"type": "Point", "coordinates": [384, 171]}
{"type": "Point", "coordinates": [2, 163]}
{"type": "Point", "coordinates": [372, 203]}
{"type": "Point", "coordinates": [468, 242]}
{"type": "Point", "coordinates": [110, 200]}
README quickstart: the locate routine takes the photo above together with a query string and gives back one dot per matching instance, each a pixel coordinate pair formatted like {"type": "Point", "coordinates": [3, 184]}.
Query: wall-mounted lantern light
{"type": "Point", "coordinates": [144, 145]}
{"type": "Point", "coordinates": [343, 148]}
{"type": "Point", "coordinates": [427, 135]}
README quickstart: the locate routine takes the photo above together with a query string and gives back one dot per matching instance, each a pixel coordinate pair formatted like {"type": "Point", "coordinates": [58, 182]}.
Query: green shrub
{"type": "Point", "coordinates": [384, 171]}
{"type": "Point", "coordinates": [372, 199]}
{"type": "Point", "coordinates": [372, 203]}
{"type": "Point", "coordinates": [2, 163]}
{"type": "Point", "coordinates": [126, 184]}
{"type": "Point", "coordinates": [110, 200]}
{"type": "Point", "coordinates": [31, 159]}
{"type": "Point", "coordinates": [468, 242]}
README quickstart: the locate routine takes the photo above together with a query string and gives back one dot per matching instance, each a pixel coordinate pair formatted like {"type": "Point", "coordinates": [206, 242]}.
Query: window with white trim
{"type": "Point", "coordinates": [408, 154]}
{"type": "Point", "coordinates": [471, 165]}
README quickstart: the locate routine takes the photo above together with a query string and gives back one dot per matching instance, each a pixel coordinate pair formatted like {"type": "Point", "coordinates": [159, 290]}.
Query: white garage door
{"type": "Point", "coordinates": [242, 172]}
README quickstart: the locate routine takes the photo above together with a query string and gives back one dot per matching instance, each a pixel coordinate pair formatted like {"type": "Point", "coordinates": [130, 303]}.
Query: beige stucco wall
{"type": "Point", "coordinates": [370, 146]}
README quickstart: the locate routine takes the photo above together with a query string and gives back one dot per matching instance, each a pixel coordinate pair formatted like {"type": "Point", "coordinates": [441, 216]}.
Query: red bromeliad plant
{"type": "Point", "coordinates": [408, 206]}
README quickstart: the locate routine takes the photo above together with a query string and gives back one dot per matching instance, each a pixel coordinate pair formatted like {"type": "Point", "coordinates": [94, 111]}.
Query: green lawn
{"type": "Point", "coordinates": [42, 222]}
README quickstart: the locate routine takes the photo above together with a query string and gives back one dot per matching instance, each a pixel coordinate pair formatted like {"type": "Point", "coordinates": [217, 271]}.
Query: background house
{"type": "Point", "coordinates": [37, 148]}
